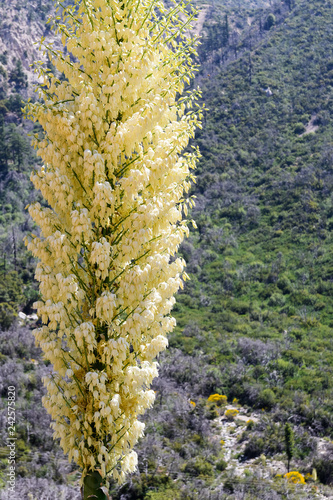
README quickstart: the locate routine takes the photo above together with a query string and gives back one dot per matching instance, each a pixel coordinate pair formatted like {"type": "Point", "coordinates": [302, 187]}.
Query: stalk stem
{"type": "Point", "coordinates": [92, 487]}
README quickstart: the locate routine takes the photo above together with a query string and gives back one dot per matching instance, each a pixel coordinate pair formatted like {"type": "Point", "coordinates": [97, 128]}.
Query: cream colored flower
{"type": "Point", "coordinates": [115, 180]}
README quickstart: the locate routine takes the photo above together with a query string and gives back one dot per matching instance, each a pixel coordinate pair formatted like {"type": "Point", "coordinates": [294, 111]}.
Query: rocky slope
{"type": "Point", "coordinates": [22, 25]}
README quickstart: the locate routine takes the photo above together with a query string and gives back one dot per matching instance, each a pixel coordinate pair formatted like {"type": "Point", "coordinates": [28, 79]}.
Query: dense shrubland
{"type": "Point", "coordinates": [260, 297]}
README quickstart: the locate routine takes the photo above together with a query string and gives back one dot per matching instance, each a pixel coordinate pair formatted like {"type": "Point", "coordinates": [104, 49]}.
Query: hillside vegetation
{"type": "Point", "coordinates": [255, 323]}
{"type": "Point", "coordinates": [260, 299]}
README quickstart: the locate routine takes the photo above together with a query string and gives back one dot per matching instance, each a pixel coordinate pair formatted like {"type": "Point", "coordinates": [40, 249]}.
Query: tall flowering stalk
{"type": "Point", "coordinates": [114, 180]}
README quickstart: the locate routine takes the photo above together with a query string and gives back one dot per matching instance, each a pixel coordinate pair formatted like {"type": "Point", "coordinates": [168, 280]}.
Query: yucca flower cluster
{"type": "Point", "coordinates": [115, 183]}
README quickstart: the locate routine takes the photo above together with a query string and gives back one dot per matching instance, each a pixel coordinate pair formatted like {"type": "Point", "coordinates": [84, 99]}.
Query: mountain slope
{"type": "Point", "coordinates": [260, 262]}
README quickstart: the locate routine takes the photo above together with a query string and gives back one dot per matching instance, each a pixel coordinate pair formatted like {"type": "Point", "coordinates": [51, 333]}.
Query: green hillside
{"type": "Point", "coordinates": [255, 322]}
{"type": "Point", "coordinates": [260, 299]}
